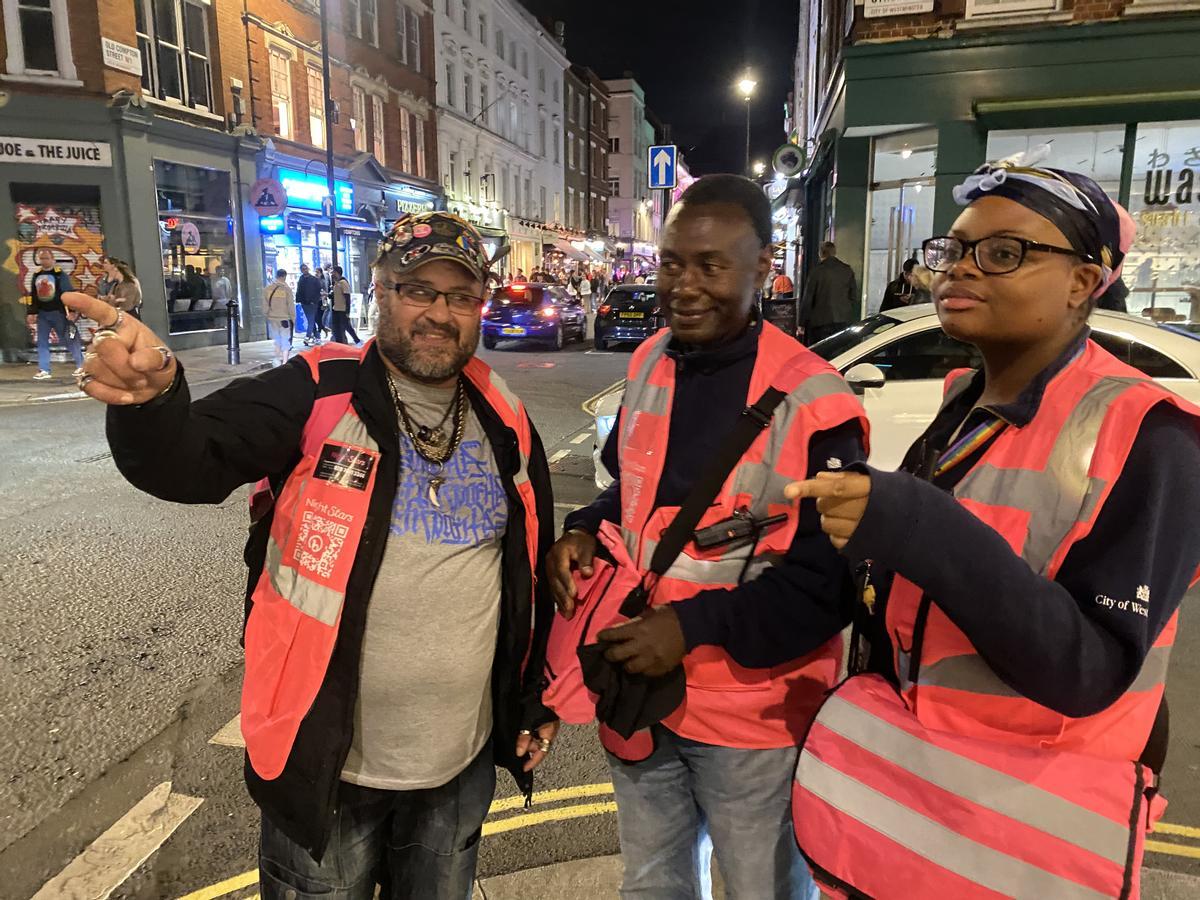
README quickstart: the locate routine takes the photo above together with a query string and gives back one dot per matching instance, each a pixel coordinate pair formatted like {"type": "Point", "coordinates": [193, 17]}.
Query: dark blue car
{"type": "Point", "coordinates": [630, 313]}
{"type": "Point", "coordinates": [545, 313]}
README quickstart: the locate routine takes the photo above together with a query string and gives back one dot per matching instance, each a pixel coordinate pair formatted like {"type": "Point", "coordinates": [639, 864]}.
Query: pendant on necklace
{"type": "Point", "coordinates": [434, 436]}
{"type": "Point", "coordinates": [435, 484]}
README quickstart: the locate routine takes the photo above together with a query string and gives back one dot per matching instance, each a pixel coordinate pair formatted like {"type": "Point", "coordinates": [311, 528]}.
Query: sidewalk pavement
{"type": "Point", "coordinates": [601, 876]}
{"type": "Point", "coordinates": [203, 365]}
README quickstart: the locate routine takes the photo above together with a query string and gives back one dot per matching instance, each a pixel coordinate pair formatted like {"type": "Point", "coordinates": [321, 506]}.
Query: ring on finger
{"type": "Point", "coordinates": [82, 381]}
{"type": "Point", "coordinates": [112, 326]}
{"type": "Point", "coordinates": [544, 745]}
{"type": "Point", "coordinates": [167, 356]}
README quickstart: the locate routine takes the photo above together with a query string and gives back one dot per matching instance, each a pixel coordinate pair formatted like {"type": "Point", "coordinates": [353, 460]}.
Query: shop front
{"type": "Point", "coordinates": [526, 239]}
{"type": "Point", "coordinates": [490, 221]}
{"type": "Point", "coordinates": [882, 177]}
{"type": "Point", "coordinates": [160, 193]}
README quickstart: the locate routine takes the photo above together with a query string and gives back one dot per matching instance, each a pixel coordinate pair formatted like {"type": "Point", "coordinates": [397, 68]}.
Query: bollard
{"type": "Point", "coordinates": [235, 349]}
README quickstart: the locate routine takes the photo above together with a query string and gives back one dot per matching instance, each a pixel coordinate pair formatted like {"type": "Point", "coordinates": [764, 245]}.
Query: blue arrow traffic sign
{"type": "Point", "coordinates": [662, 167]}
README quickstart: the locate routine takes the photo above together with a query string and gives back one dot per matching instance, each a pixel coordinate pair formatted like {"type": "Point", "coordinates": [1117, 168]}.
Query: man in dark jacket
{"type": "Point", "coordinates": [831, 300]}
{"type": "Point", "coordinates": [308, 295]}
{"type": "Point", "coordinates": [435, 672]}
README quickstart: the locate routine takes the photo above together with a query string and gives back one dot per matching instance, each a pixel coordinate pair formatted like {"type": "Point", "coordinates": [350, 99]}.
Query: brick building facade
{"type": "Point", "coordinates": [894, 110]}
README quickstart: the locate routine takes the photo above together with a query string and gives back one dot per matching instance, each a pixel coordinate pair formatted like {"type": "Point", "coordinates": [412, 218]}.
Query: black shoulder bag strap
{"type": "Point", "coordinates": [750, 424]}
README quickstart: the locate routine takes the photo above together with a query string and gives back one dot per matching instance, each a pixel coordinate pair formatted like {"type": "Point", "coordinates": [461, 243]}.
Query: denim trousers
{"type": "Point", "coordinates": [56, 321]}
{"type": "Point", "coordinates": [282, 336]}
{"type": "Point", "coordinates": [416, 845]}
{"type": "Point", "coordinates": [689, 800]}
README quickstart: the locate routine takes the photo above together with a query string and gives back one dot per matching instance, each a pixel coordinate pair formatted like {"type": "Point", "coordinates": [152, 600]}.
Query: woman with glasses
{"type": "Point", "coordinates": [1021, 578]}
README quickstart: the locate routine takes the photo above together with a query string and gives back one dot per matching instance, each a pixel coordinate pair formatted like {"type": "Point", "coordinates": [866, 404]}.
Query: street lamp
{"type": "Point", "coordinates": [759, 168]}
{"type": "Point", "coordinates": [746, 88]}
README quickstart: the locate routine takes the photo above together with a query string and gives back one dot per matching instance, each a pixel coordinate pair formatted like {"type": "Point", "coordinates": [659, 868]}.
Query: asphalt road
{"type": "Point", "coordinates": [120, 661]}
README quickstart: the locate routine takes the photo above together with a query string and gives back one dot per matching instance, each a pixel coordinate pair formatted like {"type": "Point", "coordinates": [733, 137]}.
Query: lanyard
{"type": "Point", "coordinates": [968, 444]}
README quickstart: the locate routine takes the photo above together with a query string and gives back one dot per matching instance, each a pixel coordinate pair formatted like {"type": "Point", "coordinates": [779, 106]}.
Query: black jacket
{"type": "Point", "coordinates": [308, 290]}
{"type": "Point", "coordinates": [251, 430]}
{"type": "Point", "coordinates": [831, 295]}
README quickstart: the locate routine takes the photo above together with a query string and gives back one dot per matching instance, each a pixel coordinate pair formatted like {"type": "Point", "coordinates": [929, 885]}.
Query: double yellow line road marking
{"type": "Point", "coordinates": [590, 792]}
{"type": "Point", "coordinates": [1192, 850]}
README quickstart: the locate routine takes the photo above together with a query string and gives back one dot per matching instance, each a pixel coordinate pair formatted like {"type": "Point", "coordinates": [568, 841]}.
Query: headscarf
{"type": "Point", "coordinates": [1100, 229]}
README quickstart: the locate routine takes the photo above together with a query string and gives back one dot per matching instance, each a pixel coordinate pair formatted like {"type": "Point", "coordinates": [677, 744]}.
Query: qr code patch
{"type": "Point", "coordinates": [318, 544]}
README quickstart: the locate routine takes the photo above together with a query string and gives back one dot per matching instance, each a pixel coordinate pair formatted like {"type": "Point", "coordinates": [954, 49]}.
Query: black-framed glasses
{"type": "Point", "coordinates": [994, 255]}
{"type": "Point", "coordinates": [424, 296]}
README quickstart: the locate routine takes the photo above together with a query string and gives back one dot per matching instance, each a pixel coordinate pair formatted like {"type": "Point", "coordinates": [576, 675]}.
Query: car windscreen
{"type": "Point", "coordinates": [517, 295]}
{"type": "Point", "coordinates": [648, 299]}
{"type": "Point", "coordinates": [837, 344]}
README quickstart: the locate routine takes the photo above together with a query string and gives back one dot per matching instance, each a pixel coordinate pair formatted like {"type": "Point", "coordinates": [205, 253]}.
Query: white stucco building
{"type": "Point", "coordinates": [500, 131]}
{"type": "Point", "coordinates": [636, 215]}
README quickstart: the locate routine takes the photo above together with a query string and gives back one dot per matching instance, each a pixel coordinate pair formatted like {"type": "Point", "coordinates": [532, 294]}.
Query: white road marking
{"type": "Point", "coordinates": [110, 859]}
{"type": "Point", "coordinates": [569, 507]}
{"type": "Point", "coordinates": [559, 455]}
{"type": "Point", "coordinates": [580, 438]}
{"type": "Point", "coordinates": [230, 734]}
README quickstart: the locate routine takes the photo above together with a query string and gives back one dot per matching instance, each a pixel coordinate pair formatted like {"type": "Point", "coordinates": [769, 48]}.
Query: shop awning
{"type": "Point", "coordinates": [570, 252]}
{"type": "Point", "coordinates": [350, 223]}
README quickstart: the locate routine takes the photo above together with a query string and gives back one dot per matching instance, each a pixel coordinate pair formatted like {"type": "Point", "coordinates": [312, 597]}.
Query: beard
{"type": "Point", "coordinates": [427, 364]}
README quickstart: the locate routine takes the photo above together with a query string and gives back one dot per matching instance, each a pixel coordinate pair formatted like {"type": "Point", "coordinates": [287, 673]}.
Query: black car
{"type": "Point", "coordinates": [533, 312]}
{"type": "Point", "coordinates": [630, 312]}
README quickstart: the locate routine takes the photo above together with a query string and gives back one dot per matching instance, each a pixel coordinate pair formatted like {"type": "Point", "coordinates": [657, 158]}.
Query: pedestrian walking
{"type": "Point", "coordinates": [585, 291]}
{"type": "Point", "coordinates": [124, 290]}
{"type": "Point", "coordinates": [308, 295]}
{"type": "Point", "coordinates": [831, 300]}
{"type": "Point", "coordinates": [47, 313]}
{"type": "Point", "coordinates": [279, 308]}
{"type": "Point", "coordinates": [222, 287]}
{"type": "Point", "coordinates": [340, 308]}
{"type": "Point", "coordinates": [397, 609]}
{"type": "Point", "coordinates": [754, 605]}
{"type": "Point", "coordinates": [781, 285]}
{"type": "Point", "coordinates": [1016, 722]}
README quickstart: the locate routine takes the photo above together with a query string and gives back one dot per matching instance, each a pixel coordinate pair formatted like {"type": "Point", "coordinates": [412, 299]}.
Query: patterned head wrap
{"type": "Point", "coordinates": [1095, 226]}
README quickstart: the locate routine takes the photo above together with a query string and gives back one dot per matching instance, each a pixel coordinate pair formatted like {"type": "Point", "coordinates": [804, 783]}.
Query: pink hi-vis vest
{"type": "Point", "coordinates": [728, 704]}
{"type": "Point", "coordinates": [958, 786]}
{"type": "Point", "coordinates": [315, 532]}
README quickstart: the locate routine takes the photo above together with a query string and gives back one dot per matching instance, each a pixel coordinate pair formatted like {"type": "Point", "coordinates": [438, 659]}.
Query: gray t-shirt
{"type": "Point", "coordinates": [424, 706]}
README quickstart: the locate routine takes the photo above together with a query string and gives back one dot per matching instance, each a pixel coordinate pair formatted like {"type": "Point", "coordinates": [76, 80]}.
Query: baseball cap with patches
{"type": "Point", "coordinates": [418, 238]}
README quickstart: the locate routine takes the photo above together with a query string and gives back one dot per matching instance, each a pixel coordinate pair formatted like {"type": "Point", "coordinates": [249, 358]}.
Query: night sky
{"type": "Point", "coordinates": [689, 63]}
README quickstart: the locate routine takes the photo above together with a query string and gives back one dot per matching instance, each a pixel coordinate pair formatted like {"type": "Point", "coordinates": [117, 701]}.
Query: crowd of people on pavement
{"type": "Point", "coordinates": [413, 621]}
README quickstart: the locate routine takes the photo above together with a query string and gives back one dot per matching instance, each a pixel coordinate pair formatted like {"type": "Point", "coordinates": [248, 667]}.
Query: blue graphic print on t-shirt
{"type": "Point", "coordinates": [472, 508]}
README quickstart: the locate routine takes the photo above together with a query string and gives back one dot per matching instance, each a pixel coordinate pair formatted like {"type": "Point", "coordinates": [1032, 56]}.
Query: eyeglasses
{"type": "Point", "coordinates": [995, 255]}
{"type": "Point", "coordinates": [423, 297]}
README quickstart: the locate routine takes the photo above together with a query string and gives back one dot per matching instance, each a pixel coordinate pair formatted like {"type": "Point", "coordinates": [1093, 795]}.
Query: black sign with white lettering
{"type": "Point", "coordinates": [345, 466]}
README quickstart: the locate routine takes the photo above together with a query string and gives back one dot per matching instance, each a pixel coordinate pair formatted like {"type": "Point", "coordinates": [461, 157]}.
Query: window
{"type": "Point", "coordinates": [419, 140]}
{"type": "Point", "coordinates": [1134, 353]}
{"type": "Point", "coordinates": [614, 187]}
{"type": "Point", "coordinates": [173, 39]}
{"type": "Point", "coordinates": [555, 91]}
{"type": "Point", "coordinates": [408, 36]}
{"type": "Point", "coordinates": [451, 81]}
{"type": "Point", "coordinates": [316, 107]}
{"type": "Point", "coordinates": [512, 53]}
{"type": "Point", "coordinates": [524, 63]}
{"type": "Point", "coordinates": [500, 43]}
{"type": "Point", "coordinates": [466, 11]}
{"type": "Point", "coordinates": [570, 206]}
{"type": "Point", "coordinates": [542, 80]}
{"type": "Point", "coordinates": [452, 176]}
{"type": "Point", "coordinates": [983, 8]}
{"type": "Point", "coordinates": [582, 110]}
{"type": "Point", "coordinates": [468, 93]}
{"type": "Point", "coordinates": [1095, 152]}
{"type": "Point", "coordinates": [406, 140]}
{"type": "Point", "coordinates": [39, 39]}
{"type": "Point", "coordinates": [377, 139]}
{"type": "Point", "coordinates": [369, 23]}
{"type": "Point", "coordinates": [527, 206]}
{"type": "Point", "coordinates": [570, 104]}
{"type": "Point", "coordinates": [541, 210]}
{"type": "Point", "coordinates": [614, 145]}
{"type": "Point", "coordinates": [358, 124]}
{"type": "Point", "coordinates": [557, 145]}
{"type": "Point", "coordinates": [516, 192]}
{"type": "Point", "coordinates": [542, 138]}
{"type": "Point", "coordinates": [354, 11]}
{"type": "Point", "coordinates": [281, 92]}
{"type": "Point", "coordinates": [930, 354]}
{"type": "Point", "coordinates": [570, 154]}
{"type": "Point", "coordinates": [483, 29]}
{"type": "Point", "coordinates": [484, 106]}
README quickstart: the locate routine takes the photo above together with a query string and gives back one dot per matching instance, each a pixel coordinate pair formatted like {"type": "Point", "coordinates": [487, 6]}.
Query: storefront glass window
{"type": "Point", "coordinates": [196, 225]}
{"type": "Point", "coordinates": [902, 195]}
{"type": "Point", "coordinates": [1162, 270]}
{"type": "Point", "coordinates": [1095, 152]}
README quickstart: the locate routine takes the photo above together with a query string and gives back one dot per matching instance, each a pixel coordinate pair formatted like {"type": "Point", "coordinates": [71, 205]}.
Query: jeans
{"type": "Point", "coordinates": [690, 799]}
{"type": "Point", "coordinates": [282, 336]}
{"type": "Point", "coordinates": [312, 311]}
{"type": "Point", "coordinates": [417, 845]}
{"type": "Point", "coordinates": [341, 324]}
{"type": "Point", "coordinates": [56, 321]}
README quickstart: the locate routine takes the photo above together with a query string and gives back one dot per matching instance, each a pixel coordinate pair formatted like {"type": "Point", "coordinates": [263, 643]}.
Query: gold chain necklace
{"type": "Point", "coordinates": [432, 444]}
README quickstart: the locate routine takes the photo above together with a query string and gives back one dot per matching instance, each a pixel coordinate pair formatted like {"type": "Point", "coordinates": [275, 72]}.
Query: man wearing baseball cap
{"type": "Point", "coordinates": [396, 620]}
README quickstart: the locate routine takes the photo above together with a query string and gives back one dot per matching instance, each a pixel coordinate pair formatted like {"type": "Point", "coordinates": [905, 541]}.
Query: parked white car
{"type": "Point", "coordinates": [897, 362]}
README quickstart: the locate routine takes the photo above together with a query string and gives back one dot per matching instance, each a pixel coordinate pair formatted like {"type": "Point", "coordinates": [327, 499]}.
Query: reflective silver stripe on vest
{"type": "Point", "coordinates": [1062, 494]}
{"type": "Point", "coordinates": [710, 572]}
{"type": "Point", "coordinates": [933, 841]}
{"type": "Point", "coordinates": [970, 673]}
{"type": "Point", "coordinates": [760, 480]}
{"type": "Point", "coordinates": [313, 599]}
{"type": "Point", "coordinates": [977, 783]}
{"type": "Point", "coordinates": [640, 395]}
